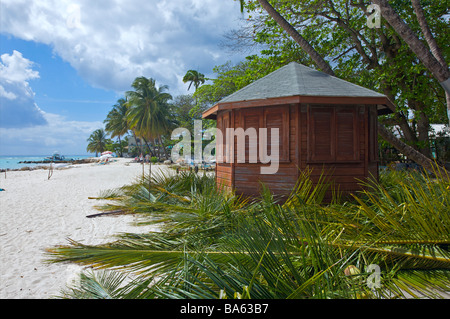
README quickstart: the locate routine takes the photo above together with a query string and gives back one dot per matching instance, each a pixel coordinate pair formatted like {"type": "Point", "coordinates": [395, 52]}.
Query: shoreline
{"type": "Point", "coordinates": [46, 164]}
{"type": "Point", "coordinates": [39, 213]}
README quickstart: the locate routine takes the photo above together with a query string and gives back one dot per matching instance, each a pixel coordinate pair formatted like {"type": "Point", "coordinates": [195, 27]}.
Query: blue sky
{"type": "Point", "coordinates": [64, 63]}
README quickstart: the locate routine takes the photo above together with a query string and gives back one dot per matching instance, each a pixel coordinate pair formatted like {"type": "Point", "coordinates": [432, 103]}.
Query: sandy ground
{"type": "Point", "coordinates": [37, 213]}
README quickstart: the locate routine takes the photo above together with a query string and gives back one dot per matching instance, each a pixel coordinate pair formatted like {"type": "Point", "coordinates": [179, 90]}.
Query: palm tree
{"type": "Point", "coordinates": [194, 77]}
{"type": "Point", "coordinates": [97, 142]}
{"type": "Point", "coordinates": [149, 112]}
{"type": "Point", "coordinates": [116, 122]}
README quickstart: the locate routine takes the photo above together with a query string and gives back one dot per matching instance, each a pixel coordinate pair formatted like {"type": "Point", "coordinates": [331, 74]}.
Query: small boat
{"type": "Point", "coordinates": [55, 157]}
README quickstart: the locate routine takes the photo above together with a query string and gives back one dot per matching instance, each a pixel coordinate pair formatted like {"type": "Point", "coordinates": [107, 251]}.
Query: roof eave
{"type": "Point", "coordinates": [385, 106]}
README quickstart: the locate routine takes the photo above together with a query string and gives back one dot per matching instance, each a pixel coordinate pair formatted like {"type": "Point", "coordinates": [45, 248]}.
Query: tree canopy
{"type": "Point", "coordinates": [376, 58]}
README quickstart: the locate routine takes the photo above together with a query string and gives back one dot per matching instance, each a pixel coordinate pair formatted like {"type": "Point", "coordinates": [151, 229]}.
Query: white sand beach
{"type": "Point", "coordinates": [37, 213]}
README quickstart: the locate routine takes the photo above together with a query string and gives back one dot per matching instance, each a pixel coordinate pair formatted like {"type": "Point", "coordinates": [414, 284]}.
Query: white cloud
{"type": "Point", "coordinates": [17, 106]}
{"type": "Point", "coordinates": [110, 43]}
{"type": "Point", "coordinates": [15, 68]}
{"type": "Point", "coordinates": [6, 94]}
{"type": "Point", "coordinates": [68, 137]}
{"type": "Point", "coordinates": [24, 127]}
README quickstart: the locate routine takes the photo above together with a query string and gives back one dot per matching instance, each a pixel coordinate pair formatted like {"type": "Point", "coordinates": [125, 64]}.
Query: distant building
{"type": "Point", "coordinates": [134, 142]}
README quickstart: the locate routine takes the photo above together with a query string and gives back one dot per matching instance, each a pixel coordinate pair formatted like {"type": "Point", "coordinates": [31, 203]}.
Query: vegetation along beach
{"type": "Point", "coordinates": [228, 150]}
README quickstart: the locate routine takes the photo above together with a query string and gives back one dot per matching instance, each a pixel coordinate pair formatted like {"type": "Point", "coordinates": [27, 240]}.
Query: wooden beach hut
{"type": "Point", "coordinates": [324, 124]}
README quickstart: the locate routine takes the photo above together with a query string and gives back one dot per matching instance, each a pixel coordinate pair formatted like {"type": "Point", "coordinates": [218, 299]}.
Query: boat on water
{"type": "Point", "coordinates": [55, 157]}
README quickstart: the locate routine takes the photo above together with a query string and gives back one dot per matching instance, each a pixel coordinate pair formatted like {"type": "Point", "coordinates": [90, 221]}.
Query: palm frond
{"type": "Point", "coordinates": [219, 245]}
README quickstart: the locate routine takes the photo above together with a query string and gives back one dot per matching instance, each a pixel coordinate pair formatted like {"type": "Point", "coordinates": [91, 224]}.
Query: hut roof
{"type": "Point", "coordinates": [304, 83]}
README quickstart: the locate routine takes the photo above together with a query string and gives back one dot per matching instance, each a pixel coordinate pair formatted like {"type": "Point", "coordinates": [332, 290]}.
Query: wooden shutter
{"type": "Point", "coordinates": [347, 134]}
{"type": "Point", "coordinates": [373, 134]}
{"type": "Point", "coordinates": [321, 134]}
{"type": "Point", "coordinates": [224, 124]}
{"type": "Point", "coordinates": [333, 134]}
{"type": "Point", "coordinates": [251, 118]}
{"type": "Point", "coordinates": [278, 117]}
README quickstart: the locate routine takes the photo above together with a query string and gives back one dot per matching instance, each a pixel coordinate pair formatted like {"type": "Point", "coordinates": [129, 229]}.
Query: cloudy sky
{"type": "Point", "coordinates": [64, 63]}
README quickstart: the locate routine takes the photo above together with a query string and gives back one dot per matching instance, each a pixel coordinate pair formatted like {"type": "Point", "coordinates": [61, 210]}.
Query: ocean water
{"type": "Point", "coordinates": [12, 162]}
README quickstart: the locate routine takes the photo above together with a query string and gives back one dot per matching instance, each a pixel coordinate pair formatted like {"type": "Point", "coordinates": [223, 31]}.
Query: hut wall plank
{"type": "Point", "coordinates": [225, 175]}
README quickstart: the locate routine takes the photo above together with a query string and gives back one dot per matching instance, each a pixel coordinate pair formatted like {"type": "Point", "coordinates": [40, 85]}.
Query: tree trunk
{"type": "Point", "coordinates": [423, 128]}
{"type": "Point", "coordinates": [435, 50]}
{"type": "Point", "coordinates": [408, 132]}
{"type": "Point", "coordinates": [120, 147]}
{"type": "Point", "coordinates": [141, 144]}
{"type": "Point", "coordinates": [135, 138]}
{"type": "Point", "coordinates": [410, 152]}
{"type": "Point", "coordinates": [317, 58]}
{"type": "Point", "coordinates": [155, 146]}
{"type": "Point", "coordinates": [164, 147]}
{"type": "Point", "coordinates": [148, 146]}
{"type": "Point", "coordinates": [150, 166]}
{"type": "Point", "coordinates": [447, 98]}
{"type": "Point", "coordinates": [440, 72]}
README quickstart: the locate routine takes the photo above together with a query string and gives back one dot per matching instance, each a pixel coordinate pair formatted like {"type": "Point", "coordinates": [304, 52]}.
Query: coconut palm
{"type": "Point", "coordinates": [97, 141]}
{"type": "Point", "coordinates": [194, 77]}
{"type": "Point", "coordinates": [116, 122]}
{"type": "Point", "coordinates": [149, 112]}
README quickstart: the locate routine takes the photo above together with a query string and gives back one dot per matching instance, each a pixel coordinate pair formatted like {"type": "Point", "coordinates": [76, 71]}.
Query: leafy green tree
{"type": "Point", "coordinates": [97, 142]}
{"type": "Point", "coordinates": [337, 31]}
{"type": "Point", "coordinates": [116, 146]}
{"type": "Point", "coordinates": [431, 56]}
{"type": "Point", "coordinates": [182, 106]}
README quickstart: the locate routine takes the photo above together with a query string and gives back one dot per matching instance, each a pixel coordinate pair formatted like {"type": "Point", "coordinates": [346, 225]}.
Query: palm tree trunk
{"type": "Point", "coordinates": [149, 167]}
{"type": "Point", "coordinates": [155, 146]}
{"type": "Point", "coordinates": [120, 147]}
{"type": "Point", "coordinates": [141, 145]}
{"type": "Point", "coordinates": [163, 146]}
{"type": "Point", "coordinates": [148, 146]}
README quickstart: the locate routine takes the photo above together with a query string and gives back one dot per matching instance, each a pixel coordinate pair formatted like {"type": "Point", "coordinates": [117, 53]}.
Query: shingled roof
{"type": "Point", "coordinates": [296, 80]}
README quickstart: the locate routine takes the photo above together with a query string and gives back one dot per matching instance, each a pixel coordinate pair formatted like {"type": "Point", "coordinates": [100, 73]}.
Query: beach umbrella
{"type": "Point", "coordinates": [105, 157]}
{"type": "Point", "coordinates": [106, 153]}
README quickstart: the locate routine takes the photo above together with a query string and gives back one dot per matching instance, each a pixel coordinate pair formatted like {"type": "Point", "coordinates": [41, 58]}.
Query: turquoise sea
{"type": "Point", "coordinates": [12, 162]}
